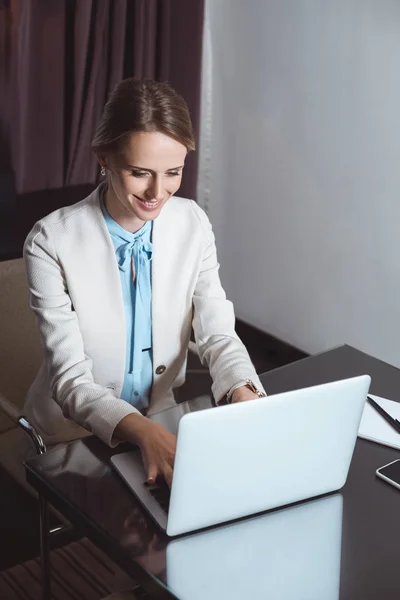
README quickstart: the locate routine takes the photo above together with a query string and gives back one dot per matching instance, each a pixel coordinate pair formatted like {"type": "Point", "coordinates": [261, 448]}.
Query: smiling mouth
{"type": "Point", "coordinates": [149, 204]}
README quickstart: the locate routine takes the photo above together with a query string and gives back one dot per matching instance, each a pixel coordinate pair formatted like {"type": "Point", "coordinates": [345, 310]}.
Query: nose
{"type": "Point", "coordinates": [156, 189]}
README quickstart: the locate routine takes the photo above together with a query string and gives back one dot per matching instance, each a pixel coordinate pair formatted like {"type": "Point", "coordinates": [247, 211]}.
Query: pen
{"type": "Point", "coordinates": [391, 420]}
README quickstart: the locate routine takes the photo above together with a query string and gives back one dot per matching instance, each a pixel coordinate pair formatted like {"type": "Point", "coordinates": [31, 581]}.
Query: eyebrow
{"type": "Point", "coordinates": [151, 171]}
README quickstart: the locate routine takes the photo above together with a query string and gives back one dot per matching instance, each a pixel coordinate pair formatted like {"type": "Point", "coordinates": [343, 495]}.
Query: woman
{"type": "Point", "coordinates": [118, 280]}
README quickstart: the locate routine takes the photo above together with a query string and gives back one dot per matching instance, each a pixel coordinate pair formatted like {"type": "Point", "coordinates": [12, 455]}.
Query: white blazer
{"type": "Point", "coordinates": [75, 291]}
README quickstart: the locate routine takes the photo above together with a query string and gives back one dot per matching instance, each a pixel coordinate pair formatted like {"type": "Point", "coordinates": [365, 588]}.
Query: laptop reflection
{"type": "Point", "coordinates": [289, 554]}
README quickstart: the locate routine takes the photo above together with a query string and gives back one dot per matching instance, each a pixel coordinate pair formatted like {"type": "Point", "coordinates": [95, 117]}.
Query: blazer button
{"type": "Point", "coordinates": [160, 370]}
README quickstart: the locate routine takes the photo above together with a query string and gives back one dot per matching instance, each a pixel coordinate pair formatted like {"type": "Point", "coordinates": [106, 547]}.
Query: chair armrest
{"type": "Point", "coordinates": [11, 411]}
{"type": "Point", "coordinates": [14, 413]}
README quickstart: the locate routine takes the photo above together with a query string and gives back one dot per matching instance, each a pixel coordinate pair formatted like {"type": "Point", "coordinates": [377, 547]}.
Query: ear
{"type": "Point", "coordinates": [102, 159]}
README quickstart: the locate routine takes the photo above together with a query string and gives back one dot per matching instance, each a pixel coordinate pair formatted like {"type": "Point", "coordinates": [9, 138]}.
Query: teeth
{"type": "Point", "coordinates": [150, 204]}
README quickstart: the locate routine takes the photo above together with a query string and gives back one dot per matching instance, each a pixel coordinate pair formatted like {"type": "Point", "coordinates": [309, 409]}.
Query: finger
{"type": "Point", "coordinates": [168, 474]}
{"type": "Point", "coordinates": [171, 459]}
{"type": "Point", "coordinates": [152, 473]}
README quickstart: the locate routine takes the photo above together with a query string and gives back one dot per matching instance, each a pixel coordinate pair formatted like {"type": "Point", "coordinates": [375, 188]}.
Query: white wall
{"type": "Point", "coordinates": [301, 167]}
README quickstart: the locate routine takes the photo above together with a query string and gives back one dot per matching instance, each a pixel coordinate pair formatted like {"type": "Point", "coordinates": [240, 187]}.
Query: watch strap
{"type": "Point", "coordinates": [245, 383]}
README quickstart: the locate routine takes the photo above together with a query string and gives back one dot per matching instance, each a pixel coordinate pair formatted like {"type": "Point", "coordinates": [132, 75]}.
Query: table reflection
{"type": "Point", "coordinates": [290, 554]}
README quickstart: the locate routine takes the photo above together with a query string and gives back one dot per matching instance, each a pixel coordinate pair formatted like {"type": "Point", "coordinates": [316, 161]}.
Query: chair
{"type": "Point", "coordinates": [20, 357]}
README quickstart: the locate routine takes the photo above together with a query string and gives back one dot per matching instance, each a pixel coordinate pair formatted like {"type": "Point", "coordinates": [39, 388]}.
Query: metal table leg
{"type": "Point", "coordinates": [43, 513]}
{"type": "Point", "coordinates": [45, 548]}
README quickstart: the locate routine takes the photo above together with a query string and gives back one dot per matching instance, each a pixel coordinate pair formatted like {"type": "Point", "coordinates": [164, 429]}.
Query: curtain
{"type": "Point", "coordinates": [6, 42]}
{"type": "Point", "coordinates": [61, 58]}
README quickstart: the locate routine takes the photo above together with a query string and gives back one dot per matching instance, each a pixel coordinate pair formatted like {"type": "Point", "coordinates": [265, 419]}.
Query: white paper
{"type": "Point", "coordinates": [374, 427]}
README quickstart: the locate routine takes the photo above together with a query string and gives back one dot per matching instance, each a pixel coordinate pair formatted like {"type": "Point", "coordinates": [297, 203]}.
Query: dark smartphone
{"type": "Point", "coordinates": [390, 473]}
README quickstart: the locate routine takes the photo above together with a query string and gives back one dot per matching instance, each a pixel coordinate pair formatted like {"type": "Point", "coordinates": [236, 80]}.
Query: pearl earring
{"type": "Point", "coordinates": [103, 171]}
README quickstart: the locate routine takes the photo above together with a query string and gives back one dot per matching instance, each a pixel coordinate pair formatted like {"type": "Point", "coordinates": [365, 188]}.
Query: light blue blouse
{"type": "Point", "coordinates": [137, 294]}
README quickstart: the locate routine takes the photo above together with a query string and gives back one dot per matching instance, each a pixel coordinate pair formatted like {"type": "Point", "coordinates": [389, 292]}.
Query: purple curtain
{"type": "Point", "coordinates": [61, 58]}
{"type": "Point", "coordinates": [6, 44]}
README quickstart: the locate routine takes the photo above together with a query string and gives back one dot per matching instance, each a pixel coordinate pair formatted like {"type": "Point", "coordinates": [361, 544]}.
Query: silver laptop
{"type": "Point", "coordinates": [242, 459]}
{"type": "Point", "coordinates": [289, 554]}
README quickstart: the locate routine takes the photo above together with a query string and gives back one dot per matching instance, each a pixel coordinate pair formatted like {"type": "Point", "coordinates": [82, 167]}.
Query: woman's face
{"type": "Point", "coordinates": [143, 177]}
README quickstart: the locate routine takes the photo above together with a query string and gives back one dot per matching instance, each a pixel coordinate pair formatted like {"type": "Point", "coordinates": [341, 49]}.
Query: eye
{"type": "Point", "coordinates": [173, 174]}
{"type": "Point", "coordinates": [139, 173]}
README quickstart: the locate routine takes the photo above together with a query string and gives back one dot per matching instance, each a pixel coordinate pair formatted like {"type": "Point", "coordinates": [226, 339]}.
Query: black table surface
{"type": "Point", "coordinates": [79, 481]}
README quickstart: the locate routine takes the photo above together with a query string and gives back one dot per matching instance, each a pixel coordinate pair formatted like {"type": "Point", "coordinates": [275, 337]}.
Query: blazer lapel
{"type": "Point", "coordinates": [103, 306]}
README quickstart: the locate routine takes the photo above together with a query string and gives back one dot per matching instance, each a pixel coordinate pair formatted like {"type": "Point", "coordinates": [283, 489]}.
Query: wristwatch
{"type": "Point", "coordinates": [246, 382]}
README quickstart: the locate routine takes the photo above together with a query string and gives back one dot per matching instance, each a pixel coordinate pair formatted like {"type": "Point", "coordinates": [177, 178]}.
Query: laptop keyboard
{"type": "Point", "coordinates": [162, 494]}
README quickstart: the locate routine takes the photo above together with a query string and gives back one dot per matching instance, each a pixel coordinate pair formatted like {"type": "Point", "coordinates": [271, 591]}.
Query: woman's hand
{"type": "Point", "coordinates": [158, 447]}
{"type": "Point", "coordinates": [156, 444]}
{"type": "Point", "coordinates": [242, 394]}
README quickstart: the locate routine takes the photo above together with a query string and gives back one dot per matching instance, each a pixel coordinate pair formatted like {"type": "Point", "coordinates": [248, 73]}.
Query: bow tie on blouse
{"type": "Point", "coordinates": [140, 250]}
